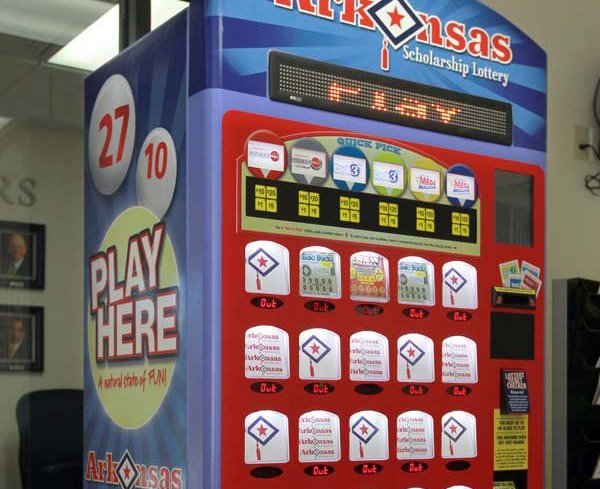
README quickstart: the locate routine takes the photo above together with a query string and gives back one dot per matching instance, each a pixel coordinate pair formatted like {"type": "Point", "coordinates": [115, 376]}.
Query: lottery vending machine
{"type": "Point", "coordinates": [366, 226]}
{"type": "Point", "coordinates": [340, 270]}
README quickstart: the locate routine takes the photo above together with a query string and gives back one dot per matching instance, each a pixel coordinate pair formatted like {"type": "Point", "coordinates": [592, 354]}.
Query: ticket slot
{"type": "Point", "coordinates": [460, 316]}
{"type": "Point", "coordinates": [319, 470]}
{"type": "Point", "coordinates": [415, 390]}
{"type": "Point", "coordinates": [319, 306]}
{"type": "Point", "coordinates": [459, 391]}
{"type": "Point", "coordinates": [415, 467]}
{"type": "Point", "coordinates": [266, 302]}
{"type": "Point", "coordinates": [266, 387]}
{"type": "Point", "coordinates": [368, 389]}
{"type": "Point", "coordinates": [369, 309]}
{"type": "Point", "coordinates": [368, 469]}
{"type": "Point", "coordinates": [367, 219]}
{"type": "Point", "coordinates": [319, 388]}
{"type": "Point", "coordinates": [415, 313]}
{"type": "Point", "coordinates": [514, 298]}
{"type": "Point", "coordinates": [458, 465]}
{"type": "Point", "coordinates": [266, 472]}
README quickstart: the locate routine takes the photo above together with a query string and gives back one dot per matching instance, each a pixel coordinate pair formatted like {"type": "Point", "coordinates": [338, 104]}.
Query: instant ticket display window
{"type": "Point", "coordinates": [315, 246]}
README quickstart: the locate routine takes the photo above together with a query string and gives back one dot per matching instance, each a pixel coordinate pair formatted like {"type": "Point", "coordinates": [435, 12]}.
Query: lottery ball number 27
{"type": "Point", "coordinates": [111, 136]}
{"type": "Point", "coordinates": [106, 125]}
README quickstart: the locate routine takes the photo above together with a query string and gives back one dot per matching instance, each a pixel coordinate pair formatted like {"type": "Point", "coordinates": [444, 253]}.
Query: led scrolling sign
{"type": "Point", "coordinates": [319, 85]}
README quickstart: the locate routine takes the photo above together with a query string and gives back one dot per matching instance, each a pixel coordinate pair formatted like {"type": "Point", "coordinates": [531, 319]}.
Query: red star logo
{"type": "Point", "coordinates": [127, 471]}
{"type": "Point", "coordinates": [454, 279]}
{"type": "Point", "coordinates": [262, 262]}
{"type": "Point", "coordinates": [315, 348]}
{"type": "Point", "coordinates": [396, 18]}
{"type": "Point", "coordinates": [453, 428]}
{"type": "Point", "coordinates": [262, 430]}
{"type": "Point", "coordinates": [364, 429]}
{"type": "Point", "coordinates": [411, 352]}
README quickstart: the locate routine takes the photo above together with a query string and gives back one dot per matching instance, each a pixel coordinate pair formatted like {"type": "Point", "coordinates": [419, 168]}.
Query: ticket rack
{"type": "Point", "coordinates": [575, 383]}
{"type": "Point", "coordinates": [327, 266]}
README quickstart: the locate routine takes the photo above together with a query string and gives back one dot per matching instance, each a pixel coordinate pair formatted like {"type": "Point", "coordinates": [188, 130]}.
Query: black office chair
{"type": "Point", "coordinates": [50, 426]}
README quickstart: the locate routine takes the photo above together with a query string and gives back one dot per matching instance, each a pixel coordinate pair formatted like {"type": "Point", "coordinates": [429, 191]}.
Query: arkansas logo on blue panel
{"type": "Point", "coordinates": [126, 471]}
{"type": "Point", "coordinates": [349, 168]}
{"type": "Point", "coordinates": [461, 186]}
{"type": "Point", "coordinates": [397, 21]}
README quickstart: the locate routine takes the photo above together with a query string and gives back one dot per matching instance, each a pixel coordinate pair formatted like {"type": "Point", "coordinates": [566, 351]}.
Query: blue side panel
{"type": "Point", "coordinates": [204, 230]}
{"type": "Point", "coordinates": [156, 70]}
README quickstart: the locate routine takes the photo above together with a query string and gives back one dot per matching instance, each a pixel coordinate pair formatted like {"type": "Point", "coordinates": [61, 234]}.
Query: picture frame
{"type": "Point", "coordinates": [21, 338]}
{"type": "Point", "coordinates": [22, 255]}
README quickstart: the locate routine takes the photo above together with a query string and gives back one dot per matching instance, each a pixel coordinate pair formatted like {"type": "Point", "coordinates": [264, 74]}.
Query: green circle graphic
{"type": "Point", "coordinates": [133, 406]}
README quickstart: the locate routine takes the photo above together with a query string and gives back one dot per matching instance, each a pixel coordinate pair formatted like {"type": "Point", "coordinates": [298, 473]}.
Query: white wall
{"type": "Point", "coordinates": [53, 158]}
{"type": "Point", "coordinates": [568, 31]}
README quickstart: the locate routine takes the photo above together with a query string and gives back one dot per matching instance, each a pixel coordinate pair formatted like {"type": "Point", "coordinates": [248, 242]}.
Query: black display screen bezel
{"type": "Point", "coordinates": [277, 58]}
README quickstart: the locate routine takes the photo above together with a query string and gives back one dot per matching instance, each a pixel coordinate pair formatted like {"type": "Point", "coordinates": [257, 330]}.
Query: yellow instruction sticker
{"type": "Point", "coordinates": [511, 441]}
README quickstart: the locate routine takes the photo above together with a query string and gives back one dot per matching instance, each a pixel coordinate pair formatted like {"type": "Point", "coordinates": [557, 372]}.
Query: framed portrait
{"type": "Point", "coordinates": [22, 255]}
{"type": "Point", "coordinates": [21, 338]}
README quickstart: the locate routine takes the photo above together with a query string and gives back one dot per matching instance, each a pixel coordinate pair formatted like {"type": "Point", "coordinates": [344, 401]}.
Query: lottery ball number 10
{"type": "Point", "coordinates": [157, 160]}
{"type": "Point", "coordinates": [156, 174]}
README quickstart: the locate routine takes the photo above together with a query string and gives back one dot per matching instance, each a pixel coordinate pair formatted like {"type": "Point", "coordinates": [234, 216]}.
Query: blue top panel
{"type": "Point", "coordinates": [460, 45]}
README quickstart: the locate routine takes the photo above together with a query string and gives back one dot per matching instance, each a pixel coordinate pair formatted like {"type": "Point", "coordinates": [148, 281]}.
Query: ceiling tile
{"type": "Point", "coordinates": [51, 21]}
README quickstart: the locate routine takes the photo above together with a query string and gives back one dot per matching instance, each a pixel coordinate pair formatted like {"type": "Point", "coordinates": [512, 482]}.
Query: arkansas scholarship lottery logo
{"type": "Point", "coordinates": [399, 23]}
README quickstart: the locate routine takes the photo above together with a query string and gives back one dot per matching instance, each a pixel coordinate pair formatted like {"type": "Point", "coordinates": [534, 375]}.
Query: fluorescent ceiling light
{"type": "Point", "coordinates": [4, 121]}
{"type": "Point", "coordinates": [163, 10]}
{"type": "Point", "coordinates": [94, 46]}
{"type": "Point", "coordinates": [99, 42]}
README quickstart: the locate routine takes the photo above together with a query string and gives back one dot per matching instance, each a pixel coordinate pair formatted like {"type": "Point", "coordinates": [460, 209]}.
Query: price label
{"type": "Point", "coordinates": [157, 172]}
{"type": "Point", "coordinates": [111, 135]}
